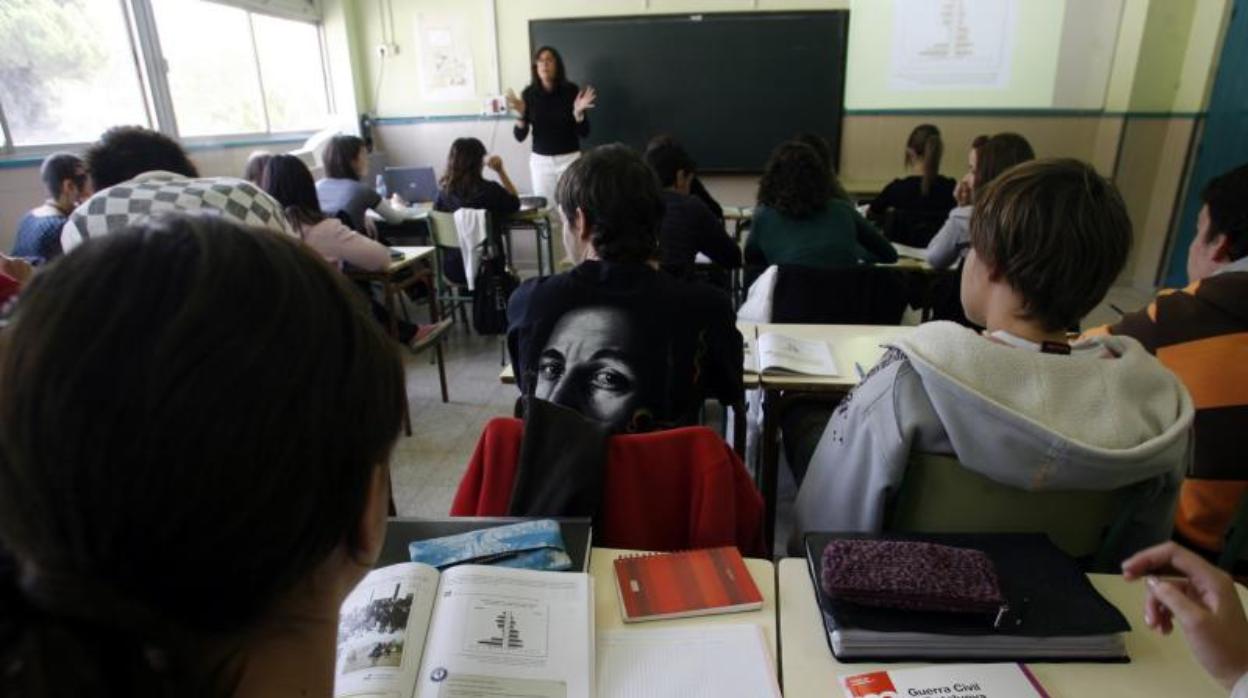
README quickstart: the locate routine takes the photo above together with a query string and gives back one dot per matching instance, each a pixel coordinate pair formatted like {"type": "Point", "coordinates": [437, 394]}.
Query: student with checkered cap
{"type": "Point", "coordinates": [139, 173]}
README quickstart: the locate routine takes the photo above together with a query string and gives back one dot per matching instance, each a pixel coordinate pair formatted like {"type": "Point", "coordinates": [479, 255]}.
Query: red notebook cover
{"type": "Point", "coordinates": [691, 583]}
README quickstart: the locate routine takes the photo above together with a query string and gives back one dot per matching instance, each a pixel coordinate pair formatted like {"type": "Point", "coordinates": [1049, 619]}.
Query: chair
{"type": "Point", "coordinates": [451, 293]}
{"type": "Point", "coordinates": [864, 295]}
{"type": "Point", "coordinates": [668, 490]}
{"type": "Point", "coordinates": [937, 494]}
{"type": "Point", "coordinates": [1236, 537]}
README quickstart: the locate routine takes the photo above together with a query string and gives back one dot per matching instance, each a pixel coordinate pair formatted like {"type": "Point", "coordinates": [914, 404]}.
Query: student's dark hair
{"type": "Point", "coordinates": [57, 168]}
{"type": "Point", "coordinates": [795, 181]}
{"type": "Point", "coordinates": [125, 152]}
{"type": "Point", "coordinates": [339, 157]}
{"type": "Point", "coordinates": [463, 167]}
{"type": "Point", "coordinates": [998, 154]}
{"type": "Point", "coordinates": [253, 171]}
{"type": "Point", "coordinates": [925, 144]}
{"type": "Point", "coordinates": [288, 180]}
{"type": "Point", "coordinates": [620, 198]}
{"type": "Point", "coordinates": [1227, 198]}
{"type": "Point", "coordinates": [823, 149]}
{"type": "Point", "coordinates": [561, 75]}
{"type": "Point", "coordinates": [191, 414]}
{"type": "Point", "coordinates": [1058, 233]}
{"type": "Point", "coordinates": [668, 158]}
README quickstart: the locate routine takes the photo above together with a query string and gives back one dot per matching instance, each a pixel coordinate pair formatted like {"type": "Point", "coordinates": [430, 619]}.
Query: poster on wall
{"type": "Point", "coordinates": [952, 44]}
{"type": "Point", "coordinates": [446, 69]}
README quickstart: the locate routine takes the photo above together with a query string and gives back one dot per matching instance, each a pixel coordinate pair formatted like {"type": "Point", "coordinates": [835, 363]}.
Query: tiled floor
{"type": "Point", "coordinates": [427, 465]}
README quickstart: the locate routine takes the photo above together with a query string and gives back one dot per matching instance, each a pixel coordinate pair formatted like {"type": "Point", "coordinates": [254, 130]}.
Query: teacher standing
{"type": "Point", "coordinates": [556, 111]}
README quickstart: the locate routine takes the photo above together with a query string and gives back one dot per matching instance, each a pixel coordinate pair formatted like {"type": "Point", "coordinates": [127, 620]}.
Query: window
{"type": "Point", "coordinates": [212, 67]}
{"type": "Point", "coordinates": [72, 68]}
{"type": "Point", "coordinates": [67, 71]}
{"type": "Point", "coordinates": [292, 75]}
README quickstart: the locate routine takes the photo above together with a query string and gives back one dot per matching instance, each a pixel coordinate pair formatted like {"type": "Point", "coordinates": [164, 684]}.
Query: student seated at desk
{"type": "Point", "coordinates": [463, 186]}
{"type": "Point", "coordinates": [924, 194]}
{"type": "Point", "coordinates": [289, 181]}
{"type": "Point", "coordinates": [346, 163]}
{"type": "Point", "coordinates": [253, 171]}
{"type": "Point", "coordinates": [697, 189]}
{"type": "Point", "coordinates": [688, 226]}
{"type": "Point", "coordinates": [989, 157]}
{"type": "Point", "coordinates": [1201, 333]}
{"type": "Point", "coordinates": [216, 476]}
{"type": "Point", "coordinates": [64, 178]}
{"type": "Point", "coordinates": [1018, 404]}
{"type": "Point", "coordinates": [615, 338]}
{"type": "Point", "coordinates": [796, 222]}
{"type": "Point", "coordinates": [138, 173]}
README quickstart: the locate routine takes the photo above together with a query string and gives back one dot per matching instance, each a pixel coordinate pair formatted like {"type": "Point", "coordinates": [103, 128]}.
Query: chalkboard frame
{"type": "Point", "coordinates": [834, 138]}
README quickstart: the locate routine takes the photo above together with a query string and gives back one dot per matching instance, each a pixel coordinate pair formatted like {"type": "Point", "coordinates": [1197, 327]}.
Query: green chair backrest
{"type": "Point", "coordinates": [442, 229]}
{"type": "Point", "coordinates": [937, 494]}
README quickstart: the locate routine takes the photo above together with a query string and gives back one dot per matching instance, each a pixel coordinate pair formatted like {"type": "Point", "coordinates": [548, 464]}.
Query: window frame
{"type": "Point", "coordinates": [151, 70]}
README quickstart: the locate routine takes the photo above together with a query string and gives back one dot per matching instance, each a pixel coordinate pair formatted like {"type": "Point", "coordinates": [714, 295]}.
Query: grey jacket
{"type": "Point", "coordinates": [1022, 418]}
{"type": "Point", "coordinates": [951, 241]}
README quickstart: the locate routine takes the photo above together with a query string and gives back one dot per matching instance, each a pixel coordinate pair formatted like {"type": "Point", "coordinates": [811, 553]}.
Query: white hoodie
{"type": "Point", "coordinates": [1023, 418]}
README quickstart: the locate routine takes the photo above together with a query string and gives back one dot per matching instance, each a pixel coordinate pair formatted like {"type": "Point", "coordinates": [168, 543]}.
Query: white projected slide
{"type": "Point", "coordinates": [974, 54]}
{"type": "Point", "coordinates": [954, 44]}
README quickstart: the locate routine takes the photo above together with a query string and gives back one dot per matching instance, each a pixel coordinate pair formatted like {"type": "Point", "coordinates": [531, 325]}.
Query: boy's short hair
{"type": "Point", "coordinates": [125, 152]}
{"type": "Point", "coordinates": [1227, 198]}
{"type": "Point", "coordinates": [1058, 232]}
{"type": "Point", "coordinates": [59, 167]}
{"type": "Point", "coordinates": [620, 198]}
{"type": "Point", "coordinates": [667, 159]}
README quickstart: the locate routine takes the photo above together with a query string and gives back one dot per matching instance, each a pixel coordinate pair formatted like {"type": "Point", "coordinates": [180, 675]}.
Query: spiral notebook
{"type": "Point", "coordinates": [690, 583]}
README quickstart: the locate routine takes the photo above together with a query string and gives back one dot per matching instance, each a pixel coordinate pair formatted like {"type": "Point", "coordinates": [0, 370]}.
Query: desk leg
{"type": "Point", "coordinates": [738, 428]}
{"type": "Point", "coordinates": [388, 285]}
{"type": "Point", "coordinates": [434, 316]}
{"type": "Point", "coordinates": [767, 472]}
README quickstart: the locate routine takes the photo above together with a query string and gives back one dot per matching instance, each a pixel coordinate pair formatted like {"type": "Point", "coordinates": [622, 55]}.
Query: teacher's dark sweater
{"type": "Point", "coordinates": [555, 130]}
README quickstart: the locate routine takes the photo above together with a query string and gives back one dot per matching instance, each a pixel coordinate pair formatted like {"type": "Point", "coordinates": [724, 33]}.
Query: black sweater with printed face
{"type": "Point", "coordinates": [555, 130]}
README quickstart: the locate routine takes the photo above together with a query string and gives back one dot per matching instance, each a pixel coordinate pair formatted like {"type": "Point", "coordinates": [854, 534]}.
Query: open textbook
{"type": "Point", "coordinates": [780, 354]}
{"type": "Point", "coordinates": [470, 631]}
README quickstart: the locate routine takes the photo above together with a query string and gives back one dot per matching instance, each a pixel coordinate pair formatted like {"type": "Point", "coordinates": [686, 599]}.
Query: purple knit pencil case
{"type": "Point", "coordinates": [910, 575]}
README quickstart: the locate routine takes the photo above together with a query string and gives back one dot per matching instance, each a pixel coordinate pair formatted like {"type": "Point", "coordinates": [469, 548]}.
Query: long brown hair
{"type": "Point", "coordinates": [463, 167]}
{"type": "Point", "coordinates": [925, 144]}
{"type": "Point", "coordinates": [998, 154]}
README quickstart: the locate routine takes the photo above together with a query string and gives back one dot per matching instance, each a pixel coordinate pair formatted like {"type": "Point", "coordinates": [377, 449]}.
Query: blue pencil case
{"type": "Point", "coordinates": [530, 545]}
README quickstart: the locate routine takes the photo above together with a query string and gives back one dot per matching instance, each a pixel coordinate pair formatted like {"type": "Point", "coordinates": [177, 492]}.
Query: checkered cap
{"type": "Point", "coordinates": [154, 193]}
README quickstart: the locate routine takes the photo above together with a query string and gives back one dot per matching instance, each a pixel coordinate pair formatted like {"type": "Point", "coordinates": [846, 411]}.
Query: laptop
{"type": "Point", "coordinates": [414, 184]}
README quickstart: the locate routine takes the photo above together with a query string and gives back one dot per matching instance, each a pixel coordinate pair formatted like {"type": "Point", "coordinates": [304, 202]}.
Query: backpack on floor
{"type": "Point", "coordinates": [491, 290]}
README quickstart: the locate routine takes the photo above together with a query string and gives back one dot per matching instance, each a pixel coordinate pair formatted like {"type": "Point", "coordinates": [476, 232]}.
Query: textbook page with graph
{"type": "Point", "coordinates": [775, 353]}
{"type": "Point", "coordinates": [472, 630]}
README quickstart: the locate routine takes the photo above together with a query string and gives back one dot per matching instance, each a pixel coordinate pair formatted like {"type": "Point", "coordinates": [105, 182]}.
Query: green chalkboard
{"type": "Point", "coordinates": [729, 86]}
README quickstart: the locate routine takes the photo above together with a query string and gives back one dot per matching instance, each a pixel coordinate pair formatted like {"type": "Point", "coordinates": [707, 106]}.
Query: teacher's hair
{"type": "Point", "coordinates": [191, 416]}
{"type": "Point", "coordinates": [561, 75]}
{"type": "Point", "coordinates": [620, 198]}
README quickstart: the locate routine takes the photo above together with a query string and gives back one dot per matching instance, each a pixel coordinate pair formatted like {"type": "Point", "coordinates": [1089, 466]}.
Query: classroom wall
{"type": "Point", "coordinates": [1158, 83]}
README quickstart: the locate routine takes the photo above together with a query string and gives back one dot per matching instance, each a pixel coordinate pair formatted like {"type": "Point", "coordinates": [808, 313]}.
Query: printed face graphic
{"type": "Point", "coordinates": [591, 364]}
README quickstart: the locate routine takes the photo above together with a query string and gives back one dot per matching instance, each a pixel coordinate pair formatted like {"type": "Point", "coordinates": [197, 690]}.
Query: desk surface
{"type": "Point", "coordinates": [850, 344]}
{"type": "Point", "coordinates": [410, 255]}
{"type": "Point", "coordinates": [1160, 665]}
{"type": "Point", "coordinates": [607, 614]}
